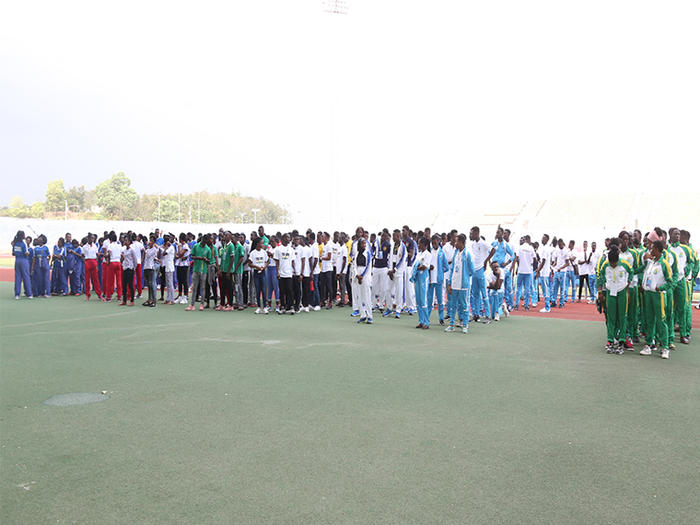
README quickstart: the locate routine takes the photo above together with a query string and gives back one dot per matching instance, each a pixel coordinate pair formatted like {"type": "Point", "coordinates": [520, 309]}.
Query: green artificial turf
{"type": "Point", "coordinates": [226, 417]}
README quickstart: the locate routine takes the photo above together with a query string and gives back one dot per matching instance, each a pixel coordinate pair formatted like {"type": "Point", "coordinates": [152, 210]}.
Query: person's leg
{"type": "Point", "coordinates": [611, 321]}
{"type": "Point", "coordinates": [527, 300]}
{"type": "Point", "coordinates": [508, 286]}
{"type": "Point", "coordinates": [139, 279]}
{"type": "Point", "coordinates": [462, 307]}
{"type": "Point", "coordinates": [670, 319]}
{"type": "Point", "coordinates": [661, 313]}
{"type": "Point", "coordinates": [679, 307]}
{"type": "Point", "coordinates": [591, 287]}
{"type": "Point", "coordinates": [306, 291]}
{"type": "Point", "coordinates": [124, 286]}
{"type": "Point", "coordinates": [315, 295]}
{"type": "Point", "coordinates": [19, 274]}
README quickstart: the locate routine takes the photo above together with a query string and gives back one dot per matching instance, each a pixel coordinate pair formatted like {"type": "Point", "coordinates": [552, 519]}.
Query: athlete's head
{"type": "Point", "coordinates": [461, 241]}
{"type": "Point", "coordinates": [474, 233]}
{"type": "Point", "coordinates": [674, 234]}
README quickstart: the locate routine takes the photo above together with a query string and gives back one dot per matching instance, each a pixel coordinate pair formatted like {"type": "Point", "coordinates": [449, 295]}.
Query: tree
{"type": "Point", "coordinates": [17, 207]}
{"type": "Point", "coordinates": [37, 210]}
{"type": "Point", "coordinates": [76, 198]}
{"type": "Point", "coordinates": [168, 211]}
{"type": "Point", "coordinates": [116, 197]}
{"type": "Point", "coordinates": [55, 195]}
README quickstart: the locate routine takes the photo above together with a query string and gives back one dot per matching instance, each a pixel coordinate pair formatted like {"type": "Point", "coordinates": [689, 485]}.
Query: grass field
{"type": "Point", "coordinates": [235, 418]}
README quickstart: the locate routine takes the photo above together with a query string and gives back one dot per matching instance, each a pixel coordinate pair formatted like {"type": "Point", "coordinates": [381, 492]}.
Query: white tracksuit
{"type": "Point", "coordinates": [398, 263]}
{"type": "Point", "coordinates": [365, 300]}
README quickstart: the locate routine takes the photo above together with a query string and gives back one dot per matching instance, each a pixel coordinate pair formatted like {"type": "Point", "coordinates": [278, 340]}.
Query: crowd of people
{"type": "Point", "coordinates": [643, 284]}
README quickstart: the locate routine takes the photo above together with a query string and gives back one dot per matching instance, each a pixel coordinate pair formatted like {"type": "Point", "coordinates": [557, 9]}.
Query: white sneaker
{"type": "Point", "coordinates": [496, 317]}
{"type": "Point", "coordinates": [464, 330]}
{"type": "Point", "coordinates": [544, 311]}
{"type": "Point", "coordinates": [507, 312]}
{"type": "Point", "coordinates": [306, 309]}
{"type": "Point", "coordinates": [258, 311]}
{"type": "Point", "coordinates": [317, 308]}
{"type": "Point", "coordinates": [16, 297]}
{"type": "Point", "coordinates": [664, 353]}
{"type": "Point", "coordinates": [645, 351]}
{"type": "Point", "coordinates": [266, 310]}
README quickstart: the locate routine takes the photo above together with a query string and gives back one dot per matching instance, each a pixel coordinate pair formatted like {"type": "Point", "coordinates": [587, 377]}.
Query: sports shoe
{"type": "Point", "coordinates": [397, 316]}
{"type": "Point", "coordinates": [317, 308]}
{"type": "Point", "coordinates": [450, 329]}
{"type": "Point", "coordinates": [16, 297]}
{"type": "Point", "coordinates": [507, 312]}
{"type": "Point", "coordinates": [628, 344]}
{"type": "Point", "coordinates": [189, 308]}
{"type": "Point", "coordinates": [386, 313]}
{"type": "Point", "coordinates": [544, 311]}
{"type": "Point", "coordinates": [619, 350]}
{"type": "Point", "coordinates": [672, 346]}
{"type": "Point", "coordinates": [369, 321]}
{"type": "Point", "coordinates": [442, 322]}
{"type": "Point", "coordinates": [609, 347]}
{"type": "Point", "coordinates": [685, 340]}
{"type": "Point", "coordinates": [465, 330]}
{"type": "Point", "coordinates": [486, 320]}
{"type": "Point", "coordinates": [258, 311]}
{"type": "Point", "coordinates": [355, 313]}
{"type": "Point", "coordinates": [664, 353]}
{"type": "Point", "coordinates": [645, 351]}
{"type": "Point", "coordinates": [361, 320]}
{"type": "Point", "coordinates": [266, 310]}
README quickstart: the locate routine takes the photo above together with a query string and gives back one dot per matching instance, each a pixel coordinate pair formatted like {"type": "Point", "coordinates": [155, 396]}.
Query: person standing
{"type": "Point", "coordinates": [258, 261]}
{"type": "Point", "coordinates": [114, 267]}
{"type": "Point", "coordinates": [560, 261]}
{"type": "Point", "coordinates": [91, 274]}
{"type": "Point", "coordinates": [239, 259]}
{"type": "Point", "coordinates": [128, 265]}
{"type": "Point", "coordinates": [525, 260]}
{"type": "Point", "coordinates": [656, 280]}
{"type": "Point", "coordinates": [480, 252]}
{"type": "Point", "coordinates": [543, 271]}
{"type": "Point", "coordinates": [571, 274]}
{"type": "Point", "coordinates": [314, 262]}
{"type": "Point", "coordinates": [616, 275]}
{"type": "Point", "coordinates": [20, 252]}
{"type": "Point", "coordinates": [326, 276]}
{"type": "Point", "coordinates": [59, 285]}
{"type": "Point", "coordinates": [362, 277]}
{"type": "Point", "coordinates": [396, 276]}
{"type": "Point", "coordinates": [182, 267]}
{"type": "Point", "coordinates": [438, 268]}
{"type": "Point", "coordinates": [458, 285]}
{"type": "Point", "coordinates": [151, 254]}
{"type": "Point", "coordinates": [421, 273]}
{"type": "Point", "coordinates": [284, 259]}
{"type": "Point", "coordinates": [201, 256]}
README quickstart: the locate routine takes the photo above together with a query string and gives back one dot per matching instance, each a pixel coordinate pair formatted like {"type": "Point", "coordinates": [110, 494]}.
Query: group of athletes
{"type": "Point", "coordinates": [642, 283]}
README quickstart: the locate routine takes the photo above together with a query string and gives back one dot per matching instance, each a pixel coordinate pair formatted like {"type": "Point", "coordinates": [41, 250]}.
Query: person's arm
{"type": "Point", "coordinates": [312, 263]}
{"type": "Point", "coordinates": [303, 265]}
{"type": "Point", "coordinates": [491, 253]}
{"type": "Point", "coordinates": [668, 275]}
{"type": "Point", "coordinates": [342, 268]}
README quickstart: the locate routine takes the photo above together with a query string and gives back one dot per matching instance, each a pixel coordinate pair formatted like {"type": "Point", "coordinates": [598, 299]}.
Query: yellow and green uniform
{"type": "Point", "coordinates": [631, 257]}
{"type": "Point", "coordinates": [681, 294]}
{"type": "Point", "coordinates": [694, 270]}
{"type": "Point", "coordinates": [201, 250]}
{"type": "Point", "coordinates": [670, 256]}
{"type": "Point", "coordinates": [656, 281]}
{"type": "Point", "coordinates": [226, 255]}
{"type": "Point", "coordinates": [615, 280]}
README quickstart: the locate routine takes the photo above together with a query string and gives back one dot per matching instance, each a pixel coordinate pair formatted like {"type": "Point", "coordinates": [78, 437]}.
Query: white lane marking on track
{"type": "Point", "coordinates": [65, 320]}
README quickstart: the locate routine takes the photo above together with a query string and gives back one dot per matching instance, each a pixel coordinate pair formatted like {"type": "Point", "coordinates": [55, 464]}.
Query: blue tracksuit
{"type": "Point", "coordinates": [59, 276]}
{"type": "Point", "coordinates": [22, 264]}
{"type": "Point", "coordinates": [458, 303]}
{"type": "Point", "coordinates": [479, 297]}
{"type": "Point", "coordinates": [74, 269]}
{"type": "Point", "coordinates": [435, 289]}
{"type": "Point", "coordinates": [419, 278]}
{"type": "Point", "coordinates": [40, 277]}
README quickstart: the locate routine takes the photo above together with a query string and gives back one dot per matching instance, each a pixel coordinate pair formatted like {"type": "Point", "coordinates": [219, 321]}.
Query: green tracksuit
{"type": "Point", "coordinates": [694, 270]}
{"type": "Point", "coordinates": [615, 282]}
{"type": "Point", "coordinates": [631, 256]}
{"type": "Point", "coordinates": [669, 303]}
{"type": "Point", "coordinates": [657, 275]}
{"type": "Point", "coordinates": [680, 292]}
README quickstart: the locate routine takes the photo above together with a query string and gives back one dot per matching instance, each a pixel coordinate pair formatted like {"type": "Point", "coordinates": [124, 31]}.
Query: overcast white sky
{"type": "Point", "coordinates": [396, 106]}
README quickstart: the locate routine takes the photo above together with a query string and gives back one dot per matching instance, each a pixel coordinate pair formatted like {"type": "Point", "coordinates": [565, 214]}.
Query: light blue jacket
{"type": "Point", "coordinates": [467, 269]}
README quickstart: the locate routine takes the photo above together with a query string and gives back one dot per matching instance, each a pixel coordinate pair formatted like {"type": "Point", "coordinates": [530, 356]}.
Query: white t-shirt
{"type": "Point", "coordinates": [327, 266]}
{"type": "Point", "coordinates": [129, 262]}
{"type": "Point", "coordinates": [306, 256]}
{"type": "Point", "coordinates": [595, 257]}
{"type": "Point", "coordinates": [526, 257]}
{"type": "Point", "coordinates": [559, 258]}
{"type": "Point", "coordinates": [271, 255]}
{"type": "Point", "coordinates": [137, 246]}
{"type": "Point", "coordinates": [184, 261]}
{"type": "Point", "coordinates": [480, 251]}
{"type": "Point", "coordinates": [258, 258]}
{"type": "Point", "coordinates": [90, 251]}
{"type": "Point", "coordinates": [424, 259]}
{"type": "Point", "coordinates": [491, 278]}
{"type": "Point", "coordinates": [149, 259]}
{"type": "Point", "coordinates": [434, 263]}
{"type": "Point", "coordinates": [115, 252]}
{"type": "Point", "coordinates": [297, 260]}
{"type": "Point", "coordinates": [342, 253]}
{"type": "Point", "coordinates": [168, 259]}
{"type": "Point", "coordinates": [572, 260]}
{"type": "Point", "coordinates": [285, 255]}
{"type": "Point", "coordinates": [449, 252]}
{"type": "Point", "coordinates": [457, 272]}
{"type": "Point", "coordinates": [546, 255]}
{"type": "Point", "coordinates": [314, 255]}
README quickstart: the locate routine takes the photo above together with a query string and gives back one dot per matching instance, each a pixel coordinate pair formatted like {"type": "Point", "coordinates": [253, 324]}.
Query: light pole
{"type": "Point", "coordinates": [255, 214]}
